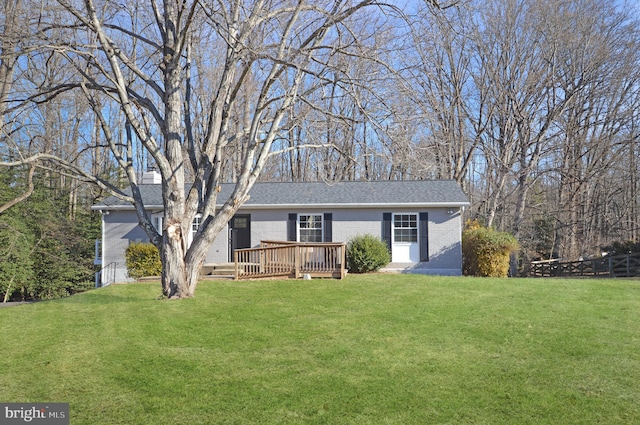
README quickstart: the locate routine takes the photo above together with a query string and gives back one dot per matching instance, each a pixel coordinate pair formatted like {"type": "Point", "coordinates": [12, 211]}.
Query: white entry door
{"type": "Point", "coordinates": [405, 248]}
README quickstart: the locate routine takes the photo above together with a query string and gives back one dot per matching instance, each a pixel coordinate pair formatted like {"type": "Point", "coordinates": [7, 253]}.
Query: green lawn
{"type": "Point", "coordinates": [379, 349]}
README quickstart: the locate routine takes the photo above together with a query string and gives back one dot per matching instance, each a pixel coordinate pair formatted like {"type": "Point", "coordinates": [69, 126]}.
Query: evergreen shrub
{"type": "Point", "coordinates": [622, 247]}
{"type": "Point", "coordinates": [142, 259]}
{"type": "Point", "coordinates": [367, 253]}
{"type": "Point", "coordinates": [46, 243]}
{"type": "Point", "coordinates": [485, 252]}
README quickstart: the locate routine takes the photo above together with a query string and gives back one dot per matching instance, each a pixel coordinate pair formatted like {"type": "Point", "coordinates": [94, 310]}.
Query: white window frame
{"type": "Point", "coordinates": [195, 225]}
{"type": "Point", "coordinates": [157, 220]}
{"type": "Point", "coordinates": [417, 227]}
{"type": "Point", "coordinates": [321, 229]}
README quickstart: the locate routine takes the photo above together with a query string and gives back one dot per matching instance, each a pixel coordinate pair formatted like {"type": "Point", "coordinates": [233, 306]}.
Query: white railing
{"type": "Point", "coordinates": [107, 275]}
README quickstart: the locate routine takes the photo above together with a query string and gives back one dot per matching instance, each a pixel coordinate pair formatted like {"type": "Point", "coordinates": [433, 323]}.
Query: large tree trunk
{"type": "Point", "coordinates": [174, 279]}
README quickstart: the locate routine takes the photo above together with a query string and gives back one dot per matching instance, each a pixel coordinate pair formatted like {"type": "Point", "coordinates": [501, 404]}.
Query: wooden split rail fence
{"type": "Point", "coordinates": [291, 259]}
{"type": "Point", "coordinates": [619, 265]}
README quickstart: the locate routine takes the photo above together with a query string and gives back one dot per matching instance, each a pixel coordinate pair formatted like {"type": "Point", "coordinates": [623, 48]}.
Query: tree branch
{"type": "Point", "coordinates": [25, 195]}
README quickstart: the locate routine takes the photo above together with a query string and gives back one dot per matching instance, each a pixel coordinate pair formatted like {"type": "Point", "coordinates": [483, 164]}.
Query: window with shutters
{"type": "Point", "coordinates": [310, 227]}
{"type": "Point", "coordinates": [405, 228]}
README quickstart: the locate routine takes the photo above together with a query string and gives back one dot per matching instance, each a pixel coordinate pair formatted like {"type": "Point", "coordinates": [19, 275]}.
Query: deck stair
{"type": "Point", "coordinates": [218, 269]}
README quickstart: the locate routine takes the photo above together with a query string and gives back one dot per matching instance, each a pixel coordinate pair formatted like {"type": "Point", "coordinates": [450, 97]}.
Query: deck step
{"type": "Point", "coordinates": [224, 269]}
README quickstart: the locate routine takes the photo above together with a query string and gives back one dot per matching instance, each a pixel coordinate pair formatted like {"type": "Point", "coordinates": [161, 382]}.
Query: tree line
{"type": "Point", "coordinates": [530, 105]}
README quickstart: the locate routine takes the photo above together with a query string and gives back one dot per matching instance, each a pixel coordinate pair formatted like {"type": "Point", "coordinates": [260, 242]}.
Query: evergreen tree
{"type": "Point", "coordinates": [44, 254]}
{"type": "Point", "coordinates": [16, 261]}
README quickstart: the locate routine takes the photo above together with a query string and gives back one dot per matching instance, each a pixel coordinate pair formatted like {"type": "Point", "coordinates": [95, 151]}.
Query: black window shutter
{"type": "Point", "coordinates": [328, 228]}
{"type": "Point", "coordinates": [424, 236]}
{"type": "Point", "coordinates": [291, 227]}
{"type": "Point", "coordinates": [386, 229]}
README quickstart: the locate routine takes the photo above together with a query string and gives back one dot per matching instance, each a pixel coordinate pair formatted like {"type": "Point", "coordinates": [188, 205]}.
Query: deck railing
{"type": "Point", "coordinates": [292, 259]}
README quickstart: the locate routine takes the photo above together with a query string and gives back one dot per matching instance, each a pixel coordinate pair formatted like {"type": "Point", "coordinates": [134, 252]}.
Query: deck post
{"type": "Point", "coordinates": [296, 261]}
{"type": "Point", "coordinates": [237, 270]}
{"type": "Point", "coordinates": [343, 261]}
{"type": "Point", "coordinates": [262, 262]}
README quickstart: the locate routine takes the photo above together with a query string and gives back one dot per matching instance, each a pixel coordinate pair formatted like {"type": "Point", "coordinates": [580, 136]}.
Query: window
{"type": "Point", "coordinates": [156, 219]}
{"type": "Point", "coordinates": [240, 222]}
{"type": "Point", "coordinates": [405, 228]}
{"type": "Point", "coordinates": [310, 227]}
{"type": "Point", "coordinates": [195, 224]}
{"type": "Point", "coordinates": [157, 223]}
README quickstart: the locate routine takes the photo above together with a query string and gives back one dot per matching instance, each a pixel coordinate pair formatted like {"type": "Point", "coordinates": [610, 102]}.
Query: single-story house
{"type": "Point", "coordinates": [419, 219]}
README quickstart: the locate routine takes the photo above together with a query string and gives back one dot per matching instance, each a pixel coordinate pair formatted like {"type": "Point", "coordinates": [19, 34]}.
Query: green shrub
{"type": "Point", "coordinates": [485, 252]}
{"type": "Point", "coordinates": [143, 259]}
{"type": "Point", "coordinates": [622, 247]}
{"type": "Point", "coordinates": [366, 254]}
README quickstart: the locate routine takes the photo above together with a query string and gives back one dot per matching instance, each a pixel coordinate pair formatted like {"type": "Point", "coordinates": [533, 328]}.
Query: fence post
{"type": "Point", "coordinates": [628, 264]}
{"type": "Point", "coordinates": [610, 266]}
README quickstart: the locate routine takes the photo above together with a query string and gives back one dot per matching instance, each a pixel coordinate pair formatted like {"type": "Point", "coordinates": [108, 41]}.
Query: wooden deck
{"type": "Point", "coordinates": [291, 259]}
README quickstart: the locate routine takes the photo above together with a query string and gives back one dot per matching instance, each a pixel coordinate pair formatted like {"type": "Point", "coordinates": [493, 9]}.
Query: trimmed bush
{"type": "Point", "coordinates": [485, 252]}
{"type": "Point", "coordinates": [143, 259]}
{"type": "Point", "coordinates": [367, 253]}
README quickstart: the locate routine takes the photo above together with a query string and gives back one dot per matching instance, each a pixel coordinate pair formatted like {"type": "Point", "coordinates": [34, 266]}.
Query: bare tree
{"type": "Point", "coordinates": [10, 12]}
{"type": "Point", "coordinates": [437, 77]}
{"type": "Point", "coordinates": [598, 61]}
{"type": "Point", "coordinates": [258, 61]}
{"type": "Point", "coordinates": [499, 86]}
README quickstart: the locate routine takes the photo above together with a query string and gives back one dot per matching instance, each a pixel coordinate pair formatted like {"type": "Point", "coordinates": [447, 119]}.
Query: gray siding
{"type": "Point", "coordinates": [445, 249]}
{"type": "Point", "coordinates": [445, 235]}
{"type": "Point", "coordinates": [445, 253]}
{"type": "Point", "coordinates": [268, 225]}
{"type": "Point", "coordinates": [121, 228]}
{"type": "Point", "coordinates": [219, 251]}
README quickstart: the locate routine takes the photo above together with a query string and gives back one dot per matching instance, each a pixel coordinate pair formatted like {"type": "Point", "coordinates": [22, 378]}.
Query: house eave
{"type": "Point", "coordinates": [124, 207]}
{"type": "Point", "coordinates": [357, 205]}
{"type": "Point", "coordinates": [306, 206]}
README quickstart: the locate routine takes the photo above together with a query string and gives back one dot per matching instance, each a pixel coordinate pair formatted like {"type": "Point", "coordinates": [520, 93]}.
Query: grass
{"type": "Point", "coordinates": [374, 349]}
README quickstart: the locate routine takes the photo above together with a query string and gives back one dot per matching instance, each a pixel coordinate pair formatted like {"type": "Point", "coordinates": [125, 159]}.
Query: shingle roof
{"type": "Point", "coordinates": [337, 195]}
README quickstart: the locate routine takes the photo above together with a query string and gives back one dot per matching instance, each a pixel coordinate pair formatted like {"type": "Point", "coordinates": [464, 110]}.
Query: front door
{"type": "Point", "coordinates": [406, 248]}
{"type": "Point", "coordinates": [240, 233]}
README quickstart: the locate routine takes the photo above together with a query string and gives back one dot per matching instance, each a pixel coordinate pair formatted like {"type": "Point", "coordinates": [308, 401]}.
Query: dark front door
{"type": "Point", "coordinates": [240, 228]}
